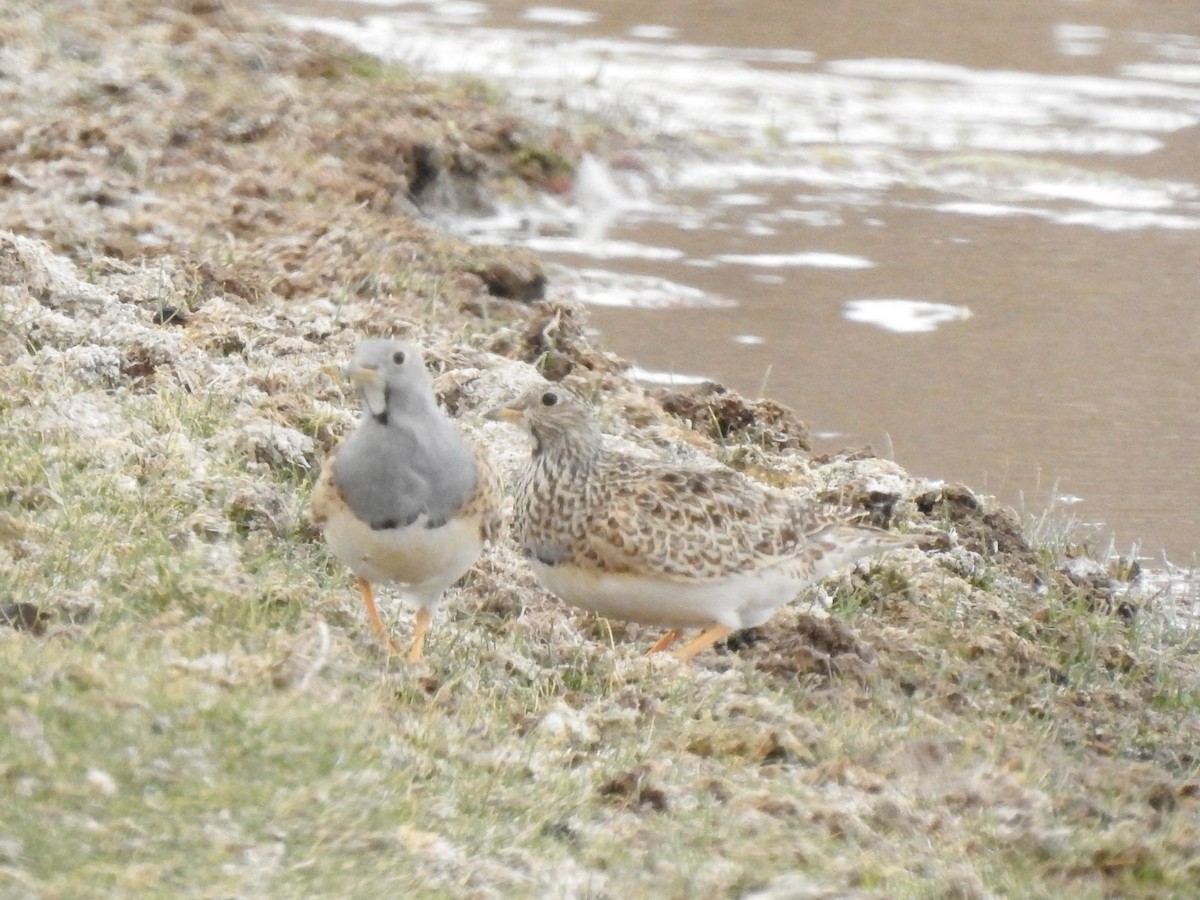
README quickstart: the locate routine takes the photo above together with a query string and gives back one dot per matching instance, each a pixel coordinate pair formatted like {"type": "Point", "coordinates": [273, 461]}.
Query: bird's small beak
{"type": "Point", "coordinates": [371, 383]}
{"type": "Point", "coordinates": [360, 374]}
{"type": "Point", "coordinates": [504, 413]}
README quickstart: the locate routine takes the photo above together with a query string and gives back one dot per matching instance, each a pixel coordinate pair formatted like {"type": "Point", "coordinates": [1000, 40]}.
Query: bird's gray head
{"type": "Point", "coordinates": [392, 378]}
{"type": "Point", "coordinates": [554, 415]}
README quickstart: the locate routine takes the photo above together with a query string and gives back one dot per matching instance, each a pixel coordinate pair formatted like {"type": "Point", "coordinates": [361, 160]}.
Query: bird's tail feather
{"type": "Point", "coordinates": [843, 545]}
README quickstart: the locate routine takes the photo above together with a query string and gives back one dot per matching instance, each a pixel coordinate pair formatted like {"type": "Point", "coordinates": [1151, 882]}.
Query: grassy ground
{"type": "Point", "coordinates": [190, 700]}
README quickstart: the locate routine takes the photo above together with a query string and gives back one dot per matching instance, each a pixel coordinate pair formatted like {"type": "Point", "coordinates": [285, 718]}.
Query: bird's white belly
{"type": "Point", "coordinates": [739, 601]}
{"type": "Point", "coordinates": [426, 561]}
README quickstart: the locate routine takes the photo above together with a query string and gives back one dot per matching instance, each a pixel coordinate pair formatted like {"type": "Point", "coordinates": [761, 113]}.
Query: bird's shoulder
{"type": "Point", "coordinates": [327, 499]}
{"type": "Point", "coordinates": [486, 499]}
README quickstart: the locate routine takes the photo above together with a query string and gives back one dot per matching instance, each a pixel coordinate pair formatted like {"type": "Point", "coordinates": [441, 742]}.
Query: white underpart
{"type": "Point", "coordinates": [739, 601]}
{"type": "Point", "coordinates": [421, 561]}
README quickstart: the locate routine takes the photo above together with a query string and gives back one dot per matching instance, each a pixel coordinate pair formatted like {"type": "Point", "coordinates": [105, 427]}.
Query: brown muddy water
{"type": "Point", "coordinates": [965, 234]}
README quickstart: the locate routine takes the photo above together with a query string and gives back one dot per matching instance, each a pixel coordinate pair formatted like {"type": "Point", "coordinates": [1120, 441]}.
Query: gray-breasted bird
{"type": "Point", "coordinates": [405, 498]}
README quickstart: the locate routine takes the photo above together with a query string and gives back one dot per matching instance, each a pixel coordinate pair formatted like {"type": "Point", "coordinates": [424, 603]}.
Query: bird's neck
{"type": "Point", "coordinates": [567, 449]}
{"type": "Point", "coordinates": [399, 408]}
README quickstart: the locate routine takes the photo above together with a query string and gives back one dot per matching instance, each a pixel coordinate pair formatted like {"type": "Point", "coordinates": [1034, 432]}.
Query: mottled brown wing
{"type": "Point", "coordinates": [687, 523]}
{"type": "Point", "coordinates": [326, 497]}
{"type": "Point", "coordinates": [488, 495]}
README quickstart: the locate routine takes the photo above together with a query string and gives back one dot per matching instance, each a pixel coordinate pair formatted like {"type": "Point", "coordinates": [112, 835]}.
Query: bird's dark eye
{"type": "Point", "coordinates": [398, 357]}
{"type": "Point", "coordinates": [549, 398]}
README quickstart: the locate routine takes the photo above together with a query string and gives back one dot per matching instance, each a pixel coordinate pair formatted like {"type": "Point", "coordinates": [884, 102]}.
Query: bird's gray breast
{"type": "Point", "coordinates": [392, 475]}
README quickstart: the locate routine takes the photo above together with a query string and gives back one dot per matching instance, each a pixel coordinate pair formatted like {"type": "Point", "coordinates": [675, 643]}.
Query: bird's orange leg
{"type": "Point", "coordinates": [665, 641]}
{"type": "Point", "coordinates": [702, 641]}
{"type": "Point", "coordinates": [420, 629]}
{"type": "Point", "coordinates": [377, 625]}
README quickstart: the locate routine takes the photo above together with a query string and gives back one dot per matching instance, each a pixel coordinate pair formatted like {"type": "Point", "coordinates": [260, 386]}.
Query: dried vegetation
{"type": "Point", "coordinates": [202, 214]}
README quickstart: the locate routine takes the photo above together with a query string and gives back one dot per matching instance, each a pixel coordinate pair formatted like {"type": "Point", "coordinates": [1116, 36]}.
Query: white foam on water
{"type": "Point", "coordinates": [787, 260]}
{"type": "Point", "coordinates": [1180, 73]}
{"type": "Point", "coordinates": [904, 316]}
{"type": "Point", "coordinates": [1127, 220]}
{"type": "Point", "coordinates": [601, 249]}
{"type": "Point", "coordinates": [990, 210]}
{"type": "Point", "coordinates": [652, 32]}
{"type": "Point", "coordinates": [670, 379]}
{"type": "Point", "coordinates": [1079, 40]}
{"type": "Point", "coordinates": [556, 15]}
{"type": "Point", "coordinates": [460, 11]}
{"type": "Point", "coordinates": [1100, 193]}
{"type": "Point", "coordinates": [597, 287]}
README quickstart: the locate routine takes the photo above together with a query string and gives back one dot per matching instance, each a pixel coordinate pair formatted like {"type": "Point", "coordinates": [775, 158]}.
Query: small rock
{"type": "Point", "coordinates": [514, 276]}
{"type": "Point", "coordinates": [278, 446]}
{"type": "Point", "coordinates": [564, 724]}
{"type": "Point", "coordinates": [1162, 798]}
{"type": "Point", "coordinates": [634, 786]}
{"type": "Point", "coordinates": [727, 415]}
{"type": "Point", "coordinates": [24, 617]}
{"type": "Point", "coordinates": [104, 783]}
{"type": "Point", "coordinates": [169, 315]}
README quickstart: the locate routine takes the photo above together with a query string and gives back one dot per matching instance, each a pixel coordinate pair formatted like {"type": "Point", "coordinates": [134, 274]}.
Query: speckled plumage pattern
{"type": "Point", "coordinates": [665, 544]}
{"type": "Point", "coordinates": [405, 499]}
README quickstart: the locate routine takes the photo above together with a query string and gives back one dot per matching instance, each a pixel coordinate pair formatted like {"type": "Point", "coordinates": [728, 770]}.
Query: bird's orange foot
{"type": "Point", "coordinates": [702, 641]}
{"type": "Point", "coordinates": [665, 641]}
{"type": "Point", "coordinates": [421, 627]}
{"type": "Point", "coordinates": [377, 625]}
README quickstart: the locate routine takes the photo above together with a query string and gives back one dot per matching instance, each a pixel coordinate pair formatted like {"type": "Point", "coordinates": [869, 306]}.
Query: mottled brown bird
{"type": "Point", "coordinates": [405, 499]}
{"type": "Point", "coordinates": [665, 544]}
